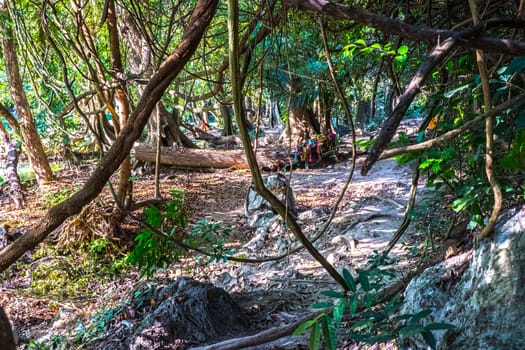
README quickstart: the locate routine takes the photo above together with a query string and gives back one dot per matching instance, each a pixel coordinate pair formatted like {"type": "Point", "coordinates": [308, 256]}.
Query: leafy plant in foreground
{"type": "Point", "coordinates": [155, 247]}
{"type": "Point", "coordinates": [373, 325]}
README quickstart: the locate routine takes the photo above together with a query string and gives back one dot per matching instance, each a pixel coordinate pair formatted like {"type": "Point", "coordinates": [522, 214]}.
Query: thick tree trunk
{"type": "Point", "coordinates": [228, 121]}
{"type": "Point", "coordinates": [32, 142]}
{"type": "Point", "coordinates": [202, 15]}
{"type": "Point", "coordinates": [184, 158]}
{"type": "Point", "coordinates": [302, 122]}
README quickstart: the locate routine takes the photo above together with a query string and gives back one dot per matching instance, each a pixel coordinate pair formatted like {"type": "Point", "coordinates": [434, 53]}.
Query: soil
{"type": "Point", "coordinates": [273, 293]}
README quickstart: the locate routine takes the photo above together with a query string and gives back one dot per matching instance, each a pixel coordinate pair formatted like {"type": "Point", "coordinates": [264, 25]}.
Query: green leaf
{"type": "Point", "coordinates": [402, 50]}
{"type": "Point", "coordinates": [315, 337]}
{"type": "Point", "coordinates": [381, 338]}
{"type": "Point", "coordinates": [349, 280]}
{"type": "Point", "coordinates": [368, 300]}
{"type": "Point", "coordinates": [303, 327]}
{"type": "Point", "coordinates": [517, 65]}
{"type": "Point", "coordinates": [362, 324]}
{"type": "Point", "coordinates": [360, 42]}
{"type": "Point", "coordinates": [429, 338]}
{"type": "Point", "coordinates": [410, 331]}
{"type": "Point", "coordinates": [329, 335]}
{"type": "Point", "coordinates": [438, 326]}
{"type": "Point", "coordinates": [363, 279]}
{"type": "Point", "coordinates": [419, 316]}
{"type": "Point", "coordinates": [332, 294]}
{"type": "Point", "coordinates": [353, 305]}
{"type": "Point", "coordinates": [339, 311]}
{"type": "Point", "coordinates": [153, 216]}
{"type": "Point", "coordinates": [451, 93]}
{"type": "Point", "coordinates": [322, 305]}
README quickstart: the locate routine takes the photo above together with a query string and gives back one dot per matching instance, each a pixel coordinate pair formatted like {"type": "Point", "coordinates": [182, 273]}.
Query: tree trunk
{"type": "Point", "coordinates": [203, 158]}
{"type": "Point", "coordinates": [202, 15]}
{"type": "Point", "coordinates": [228, 121]}
{"type": "Point", "coordinates": [124, 190]}
{"type": "Point", "coordinates": [32, 142]}
{"type": "Point", "coordinates": [7, 339]}
{"type": "Point", "coordinates": [302, 122]}
{"type": "Point", "coordinates": [364, 110]}
{"type": "Point", "coordinates": [15, 189]}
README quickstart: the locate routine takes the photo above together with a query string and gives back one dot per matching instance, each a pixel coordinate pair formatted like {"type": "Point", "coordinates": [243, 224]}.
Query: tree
{"type": "Point", "coordinates": [32, 141]}
{"type": "Point", "coordinates": [201, 16]}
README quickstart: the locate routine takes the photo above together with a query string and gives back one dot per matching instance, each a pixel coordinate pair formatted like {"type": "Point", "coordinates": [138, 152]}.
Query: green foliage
{"type": "Point", "coordinates": [155, 247]}
{"type": "Point", "coordinates": [51, 199]}
{"type": "Point", "coordinates": [98, 325]}
{"type": "Point", "coordinates": [213, 236]}
{"type": "Point", "coordinates": [372, 325]}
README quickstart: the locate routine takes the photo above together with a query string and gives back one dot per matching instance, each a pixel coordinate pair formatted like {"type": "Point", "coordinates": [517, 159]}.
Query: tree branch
{"type": "Point", "coordinates": [512, 103]}
{"type": "Point", "coordinates": [413, 32]}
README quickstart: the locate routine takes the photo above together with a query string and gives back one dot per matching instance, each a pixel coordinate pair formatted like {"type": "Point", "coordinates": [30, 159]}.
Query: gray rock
{"type": "Point", "coordinates": [487, 301]}
{"type": "Point", "coordinates": [258, 211]}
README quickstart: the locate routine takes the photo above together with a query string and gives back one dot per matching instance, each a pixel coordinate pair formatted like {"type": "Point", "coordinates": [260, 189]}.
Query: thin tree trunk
{"type": "Point", "coordinates": [121, 101]}
{"type": "Point", "coordinates": [32, 142]}
{"type": "Point", "coordinates": [15, 189]}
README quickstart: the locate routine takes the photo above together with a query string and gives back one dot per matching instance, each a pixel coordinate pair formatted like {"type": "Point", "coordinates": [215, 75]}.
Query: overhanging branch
{"type": "Point", "coordinates": [413, 32]}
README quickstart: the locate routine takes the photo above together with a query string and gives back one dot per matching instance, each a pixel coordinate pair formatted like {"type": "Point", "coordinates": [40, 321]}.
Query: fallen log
{"type": "Point", "coordinates": [186, 158]}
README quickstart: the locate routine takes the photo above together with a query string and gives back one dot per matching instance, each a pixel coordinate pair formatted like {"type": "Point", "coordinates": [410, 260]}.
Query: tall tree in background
{"type": "Point", "coordinates": [121, 98]}
{"type": "Point", "coordinates": [32, 142]}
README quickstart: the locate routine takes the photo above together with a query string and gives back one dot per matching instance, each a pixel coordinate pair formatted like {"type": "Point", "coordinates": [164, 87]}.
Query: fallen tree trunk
{"type": "Point", "coordinates": [185, 158]}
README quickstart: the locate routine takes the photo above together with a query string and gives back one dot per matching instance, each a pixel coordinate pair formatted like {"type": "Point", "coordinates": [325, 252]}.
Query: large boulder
{"type": "Point", "coordinates": [185, 313]}
{"type": "Point", "coordinates": [484, 297]}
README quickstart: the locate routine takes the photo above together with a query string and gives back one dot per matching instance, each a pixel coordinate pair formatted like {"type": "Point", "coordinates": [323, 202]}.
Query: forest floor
{"type": "Point", "coordinates": [276, 293]}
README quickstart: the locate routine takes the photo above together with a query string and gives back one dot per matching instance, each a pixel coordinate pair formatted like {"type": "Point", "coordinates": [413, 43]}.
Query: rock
{"type": "Point", "coordinates": [486, 302]}
{"type": "Point", "coordinates": [258, 211]}
{"type": "Point", "coordinates": [196, 313]}
{"type": "Point", "coordinates": [187, 313]}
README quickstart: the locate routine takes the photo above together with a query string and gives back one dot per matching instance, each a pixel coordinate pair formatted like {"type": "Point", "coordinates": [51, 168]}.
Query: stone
{"type": "Point", "coordinates": [196, 313]}
{"type": "Point", "coordinates": [184, 313]}
{"type": "Point", "coordinates": [484, 297]}
{"type": "Point", "coordinates": [258, 211]}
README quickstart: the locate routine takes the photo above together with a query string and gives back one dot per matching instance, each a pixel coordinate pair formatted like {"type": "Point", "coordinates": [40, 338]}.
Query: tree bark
{"type": "Point", "coordinates": [7, 339]}
{"type": "Point", "coordinates": [121, 101]}
{"type": "Point", "coordinates": [15, 189]}
{"type": "Point", "coordinates": [32, 142]}
{"type": "Point", "coordinates": [185, 158]}
{"type": "Point", "coordinates": [202, 15]}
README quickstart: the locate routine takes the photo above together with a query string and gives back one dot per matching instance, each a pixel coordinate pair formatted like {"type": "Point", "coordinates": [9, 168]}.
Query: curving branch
{"type": "Point", "coordinates": [390, 127]}
{"type": "Point", "coordinates": [258, 184]}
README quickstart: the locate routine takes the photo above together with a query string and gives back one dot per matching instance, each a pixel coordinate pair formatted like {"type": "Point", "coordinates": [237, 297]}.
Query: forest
{"type": "Point", "coordinates": [272, 174]}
